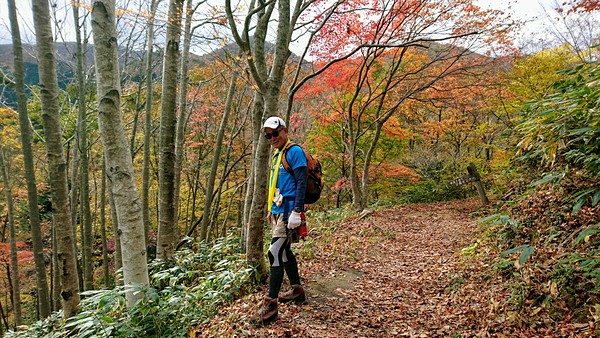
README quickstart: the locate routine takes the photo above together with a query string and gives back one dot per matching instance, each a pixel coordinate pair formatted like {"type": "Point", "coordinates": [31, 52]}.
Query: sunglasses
{"type": "Point", "coordinates": [275, 133]}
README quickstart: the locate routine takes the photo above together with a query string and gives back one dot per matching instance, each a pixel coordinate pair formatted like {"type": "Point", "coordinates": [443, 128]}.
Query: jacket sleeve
{"type": "Point", "coordinates": [300, 177]}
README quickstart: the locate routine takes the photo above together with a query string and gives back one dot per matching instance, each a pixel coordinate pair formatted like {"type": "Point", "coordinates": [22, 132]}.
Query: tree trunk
{"type": "Point", "coordinates": [210, 184]}
{"type": "Point", "coordinates": [268, 80]}
{"type": "Point", "coordinates": [4, 320]}
{"type": "Point", "coordinates": [55, 158]}
{"type": "Point", "coordinates": [119, 165]}
{"type": "Point", "coordinates": [148, 122]}
{"type": "Point", "coordinates": [167, 228]}
{"type": "Point", "coordinates": [14, 263]}
{"type": "Point", "coordinates": [82, 148]}
{"type": "Point", "coordinates": [355, 181]}
{"type": "Point", "coordinates": [105, 273]}
{"type": "Point", "coordinates": [256, 221]}
{"type": "Point", "coordinates": [182, 119]}
{"type": "Point", "coordinates": [351, 146]}
{"type": "Point", "coordinates": [118, 257]}
{"type": "Point", "coordinates": [75, 199]}
{"type": "Point", "coordinates": [26, 144]}
{"type": "Point", "coordinates": [55, 276]}
{"type": "Point", "coordinates": [367, 165]}
{"type": "Point", "coordinates": [258, 106]}
{"type": "Point", "coordinates": [1, 321]}
{"type": "Point", "coordinates": [88, 236]}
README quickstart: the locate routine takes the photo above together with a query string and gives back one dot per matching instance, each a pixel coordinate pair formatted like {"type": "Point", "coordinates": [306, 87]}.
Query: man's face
{"type": "Point", "coordinates": [277, 137]}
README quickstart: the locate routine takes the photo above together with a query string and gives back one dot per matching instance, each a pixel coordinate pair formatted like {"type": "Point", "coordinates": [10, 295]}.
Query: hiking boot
{"type": "Point", "coordinates": [266, 313]}
{"type": "Point", "coordinates": [296, 294]}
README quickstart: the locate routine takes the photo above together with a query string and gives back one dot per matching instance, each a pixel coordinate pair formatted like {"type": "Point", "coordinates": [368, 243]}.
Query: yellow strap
{"type": "Point", "coordinates": [275, 164]}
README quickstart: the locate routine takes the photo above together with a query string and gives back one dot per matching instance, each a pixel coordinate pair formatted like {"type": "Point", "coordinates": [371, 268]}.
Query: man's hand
{"type": "Point", "coordinates": [270, 218]}
{"type": "Point", "coordinates": [294, 220]}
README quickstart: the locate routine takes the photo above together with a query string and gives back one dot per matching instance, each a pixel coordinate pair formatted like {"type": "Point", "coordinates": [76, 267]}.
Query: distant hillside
{"type": "Point", "coordinates": [66, 64]}
{"type": "Point", "coordinates": [65, 52]}
{"type": "Point", "coordinates": [232, 50]}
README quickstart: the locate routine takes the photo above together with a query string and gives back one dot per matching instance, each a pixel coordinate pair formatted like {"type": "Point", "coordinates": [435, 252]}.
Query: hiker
{"type": "Point", "coordinates": [285, 204]}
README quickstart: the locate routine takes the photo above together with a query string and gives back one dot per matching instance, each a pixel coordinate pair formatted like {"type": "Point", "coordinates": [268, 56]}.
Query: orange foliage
{"type": "Point", "coordinates": [581, 6]}
{"type": "Point", "coordinates": [342, 183]}
{"type": "Point", "coordinates": [365, 22]}
{"type": "Point", "coordinates": [391, 170]}
{"type": "Point", "coordinates": [297, 122]}
{"type": "Point", "coordinates": [23, 256]}
{"type": "Point", "coordinates": [393, 129]}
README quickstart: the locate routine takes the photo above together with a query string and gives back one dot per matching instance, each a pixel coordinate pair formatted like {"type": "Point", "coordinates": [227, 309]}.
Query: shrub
{"type": "Point", "coordinates": [182, 293]}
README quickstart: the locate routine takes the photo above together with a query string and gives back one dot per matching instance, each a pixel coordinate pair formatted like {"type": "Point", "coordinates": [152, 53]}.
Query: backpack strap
{"type": "Point", "coordinates": [284, 161]}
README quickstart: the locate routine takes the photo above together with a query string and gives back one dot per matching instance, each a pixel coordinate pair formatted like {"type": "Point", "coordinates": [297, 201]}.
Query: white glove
{"type": "Point", "coordinates": [294, 220]}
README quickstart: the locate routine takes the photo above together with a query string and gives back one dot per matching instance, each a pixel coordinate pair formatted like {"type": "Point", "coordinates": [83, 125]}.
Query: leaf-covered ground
{"type": "Point", "coordinates": [410, 271]}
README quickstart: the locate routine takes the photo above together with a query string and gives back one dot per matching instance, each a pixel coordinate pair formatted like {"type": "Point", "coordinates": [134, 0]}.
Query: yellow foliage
{"type": "Point", "coordinates": [9, 128]}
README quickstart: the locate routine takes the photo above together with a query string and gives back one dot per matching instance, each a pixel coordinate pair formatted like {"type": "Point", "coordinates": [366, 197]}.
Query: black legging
{"type": "Point", "coordinates": [280, 253]}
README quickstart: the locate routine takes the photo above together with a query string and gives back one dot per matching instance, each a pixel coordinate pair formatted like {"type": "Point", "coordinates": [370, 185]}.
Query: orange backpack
{"type": "Point", "coordinates": [314, 175]}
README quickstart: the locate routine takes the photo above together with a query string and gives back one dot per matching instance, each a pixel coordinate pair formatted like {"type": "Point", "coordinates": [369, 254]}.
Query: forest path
{"type": "Point", "coordinates": [393, 273]}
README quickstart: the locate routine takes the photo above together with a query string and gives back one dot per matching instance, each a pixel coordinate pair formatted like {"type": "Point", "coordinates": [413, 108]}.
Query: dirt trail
{"type": "Point", "coordinates": [391, 274]}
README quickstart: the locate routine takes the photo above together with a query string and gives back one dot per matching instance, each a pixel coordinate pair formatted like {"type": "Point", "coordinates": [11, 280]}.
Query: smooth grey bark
{"type": "Point", "coordinates": [57, 167]}
{"type": "Point", "coordinates": [210, 184]}
{"type": "Point", "coordinates": [118, 257]}
{"type": "Point", "coordinates": [183, 110]}
{"type": "Point", "coordinates": [357, 198]}
{"type": "Point", "coordinates": [368, 161]}
{"type": "Point", "coordinates": [255, 243]}
{"type": "Point", "coordinates": [148, 120]}
{"type": "Point", "coordinates": [55, 275]}
{"type": "Point", "coordinates": [136, 116]}
{"type": "Point", "coordinates": [88, 236]}
{"type": "Point", "coordinates": [82, 149]}
{"type": "Point", "coordinates": [167, 227]}
{"type": "Point", "coordinates": [257, 107]}
{"type": "Point", "coordinates": [14, 263]}
{"type": "Point", "coordinates": [74, 195]}
{"type": "Point", "coordinates": [26, 134]}
{"type": "Point", "coordinates": [119, 165]}
{"type": "Point", "coordinates": [105, 272]}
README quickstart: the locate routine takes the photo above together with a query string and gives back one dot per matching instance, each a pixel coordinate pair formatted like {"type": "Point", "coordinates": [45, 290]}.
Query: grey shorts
{"type": "Point", "coordinates": [278, 227]}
